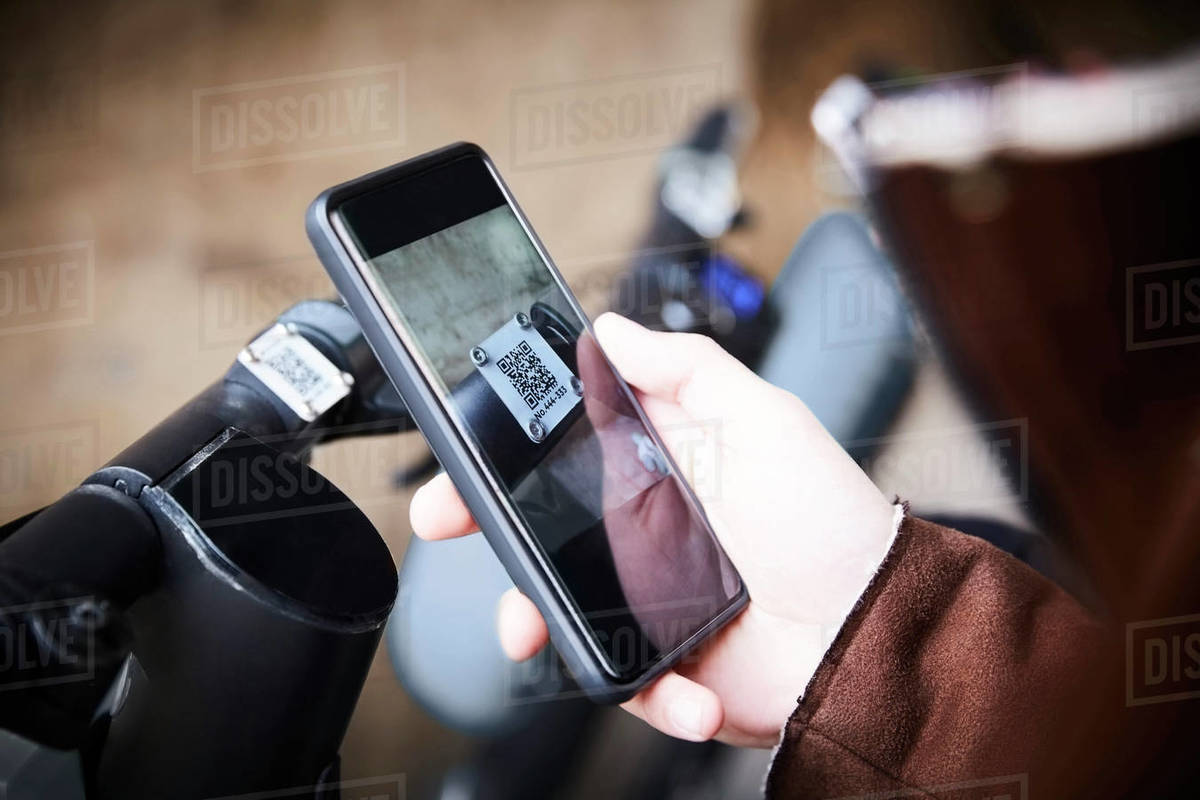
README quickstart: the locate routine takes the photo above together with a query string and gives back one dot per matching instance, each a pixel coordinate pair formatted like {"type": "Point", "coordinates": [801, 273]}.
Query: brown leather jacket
{"type": "Point", "coordinates": [952, 676]}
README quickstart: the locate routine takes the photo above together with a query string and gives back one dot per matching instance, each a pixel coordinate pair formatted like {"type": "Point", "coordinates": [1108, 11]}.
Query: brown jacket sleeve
{"type": "Point", "coordinates": [949, 679]}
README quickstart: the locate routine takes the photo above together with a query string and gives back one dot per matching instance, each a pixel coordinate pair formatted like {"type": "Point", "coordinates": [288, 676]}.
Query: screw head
{"type": "Point", "coordinates": [537, 431]}
{"type": "Point", "coordinates": [577, 385]}
{"type": "Point", "coordinates": [479, 356]}
{"type": "Point", "coordinates": [523, 319]}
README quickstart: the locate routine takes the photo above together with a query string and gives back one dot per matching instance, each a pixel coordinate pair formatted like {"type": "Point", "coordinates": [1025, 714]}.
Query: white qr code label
{"type": "Point", "coordinates": [535, 385]}
{"type": "Point", "coordinates": [287, 364]}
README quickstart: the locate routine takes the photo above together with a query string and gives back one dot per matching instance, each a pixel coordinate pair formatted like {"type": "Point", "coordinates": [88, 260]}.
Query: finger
{"type": "Point", "coordinates": [679, 707]}
{"type": "Point", "coordinates": [437, 511]}
{"type": "Point", "coordinates": [686, 368]}
{"type": "Point", "coordinates": [520, 625]}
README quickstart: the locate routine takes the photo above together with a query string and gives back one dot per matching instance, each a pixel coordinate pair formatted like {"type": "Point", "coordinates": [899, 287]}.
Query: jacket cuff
{"type": "Point", "coordinates": [900, 510]}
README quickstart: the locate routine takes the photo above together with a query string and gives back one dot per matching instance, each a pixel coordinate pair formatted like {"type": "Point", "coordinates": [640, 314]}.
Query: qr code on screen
{"type": "Point", "coordinates": [303, 378]}
{"type": "Point", "coordinates": [527, 374]}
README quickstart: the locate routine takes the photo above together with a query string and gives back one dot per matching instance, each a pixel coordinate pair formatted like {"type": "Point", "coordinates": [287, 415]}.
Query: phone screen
{"type": "Point", "coordinates": [520, 372]}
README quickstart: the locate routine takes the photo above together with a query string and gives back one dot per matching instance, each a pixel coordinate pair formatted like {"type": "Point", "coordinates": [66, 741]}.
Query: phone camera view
{"type": "Point", "coordinates": [540, 403]}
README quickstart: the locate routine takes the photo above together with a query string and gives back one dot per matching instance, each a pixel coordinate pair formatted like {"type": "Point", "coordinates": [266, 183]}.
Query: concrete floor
{"type": "Point", "coordinates": [173, 239]}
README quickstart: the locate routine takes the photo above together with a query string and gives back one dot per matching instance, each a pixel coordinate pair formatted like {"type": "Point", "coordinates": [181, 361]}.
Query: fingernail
{"type": "Point", "coordinates": [688, 717]}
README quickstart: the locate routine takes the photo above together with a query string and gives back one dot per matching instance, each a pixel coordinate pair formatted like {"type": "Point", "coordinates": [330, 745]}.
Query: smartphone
{"type": "Point", "coordinates": [548, 446]}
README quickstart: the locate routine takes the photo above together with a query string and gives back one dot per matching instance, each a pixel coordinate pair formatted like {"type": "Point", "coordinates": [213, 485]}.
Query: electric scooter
{"type": "Point", "coordinates": [196, 620]}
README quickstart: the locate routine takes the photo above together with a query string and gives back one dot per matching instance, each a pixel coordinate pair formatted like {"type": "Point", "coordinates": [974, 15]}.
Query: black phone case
{"type": "Point", "coordinates": [513, 548]}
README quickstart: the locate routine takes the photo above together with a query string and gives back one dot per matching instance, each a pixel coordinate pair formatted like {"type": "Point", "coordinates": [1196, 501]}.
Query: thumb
{"type": "Point", "coordinates": [679, 707]}
{"type": "Point", "coordinates": [685, 368]}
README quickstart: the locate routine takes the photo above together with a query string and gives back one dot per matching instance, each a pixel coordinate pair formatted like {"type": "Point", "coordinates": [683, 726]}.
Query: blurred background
{"type": "Point", "coordinates": [149, 228]}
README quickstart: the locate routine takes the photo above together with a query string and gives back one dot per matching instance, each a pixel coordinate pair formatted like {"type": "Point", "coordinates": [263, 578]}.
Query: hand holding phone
{"type": "Point", "coordinates": [801, 522]}
{"type": "Point", "coordinates": [547, 445]}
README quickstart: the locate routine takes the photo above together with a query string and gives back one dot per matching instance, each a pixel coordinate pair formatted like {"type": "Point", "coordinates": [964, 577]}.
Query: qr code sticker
{"type": "Point", "coordinates": [527, 374]}
{"type": "Point", "coordinates": [303, 378]}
